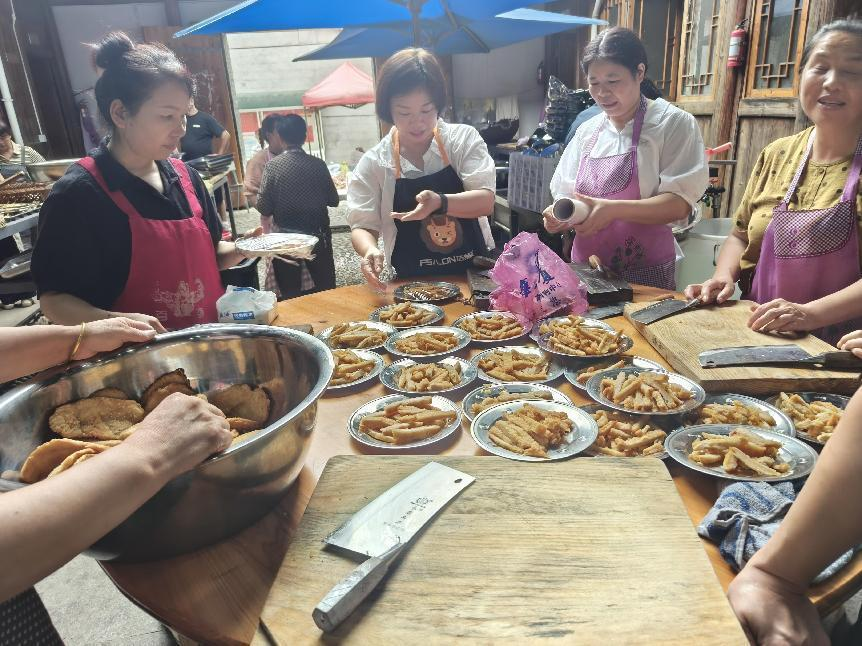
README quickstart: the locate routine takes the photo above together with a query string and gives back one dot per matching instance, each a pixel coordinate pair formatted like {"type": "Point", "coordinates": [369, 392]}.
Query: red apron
{"type": "Point", "coordinates": [173, 274]}
{"type": "Point", "coordinates": [806, 255]}
{"type": "Point", "coordinates": [640, 253]}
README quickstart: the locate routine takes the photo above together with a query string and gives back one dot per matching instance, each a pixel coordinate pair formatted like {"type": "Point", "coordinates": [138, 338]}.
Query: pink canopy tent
{"type": "Point", "coordinates": [347, 85]}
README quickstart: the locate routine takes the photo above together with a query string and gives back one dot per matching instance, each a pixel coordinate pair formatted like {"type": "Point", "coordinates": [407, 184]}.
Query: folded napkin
{"type": "Point", "coordinates": [746, 515]}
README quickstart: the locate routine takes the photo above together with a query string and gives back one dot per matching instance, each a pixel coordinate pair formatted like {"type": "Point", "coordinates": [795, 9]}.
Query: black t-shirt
{"type": "Point", "coordinates": [198, 140]}
{"type": "Point", "coordinates": [84, 246]}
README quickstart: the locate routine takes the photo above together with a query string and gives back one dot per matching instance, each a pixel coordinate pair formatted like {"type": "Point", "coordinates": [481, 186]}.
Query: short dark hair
{"type": "Point", "coordinates": [4, 128]}
{"type": "Point", "coordinates": [292, 129]}
{"type": "Point", "coordinates": [408, 70]}
{"type": "Point", "coordinates": [623, 47]}
{"type": "Point", "coordinates": [267, 127]}
{"type": "Point", "coordinates": [132, 72]}
{"type": "Point", "coordinates": [851, 25]}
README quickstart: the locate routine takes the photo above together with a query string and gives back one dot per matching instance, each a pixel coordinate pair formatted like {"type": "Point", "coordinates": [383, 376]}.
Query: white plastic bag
{"type": "Point", "coordinates": [246, 305]}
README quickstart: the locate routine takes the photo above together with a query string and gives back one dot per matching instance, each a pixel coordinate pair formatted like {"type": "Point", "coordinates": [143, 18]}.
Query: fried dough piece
{"type": "Point", "coordinates": [113, 393]}
{"type": "Point", "coordinates": [158, 396]}
{"type": "Point", "coordinates": [177, 376]}
{"type": "Point", "coordinates": [241, 425]}
{"type": "Point", "coordinates": [73, 459]}
{"type": "Point", "coordinates": [100, 418]}
{"type": "Point", "coordinates": [48, 456]}
{"type": "Point", "coordinates": [241, 400]}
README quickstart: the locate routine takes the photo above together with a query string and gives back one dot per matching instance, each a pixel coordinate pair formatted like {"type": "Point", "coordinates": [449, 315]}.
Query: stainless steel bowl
{"type": "Point", "coordinates": [227, 492]}
{"type": "Point", "coordinates": [49, 171]}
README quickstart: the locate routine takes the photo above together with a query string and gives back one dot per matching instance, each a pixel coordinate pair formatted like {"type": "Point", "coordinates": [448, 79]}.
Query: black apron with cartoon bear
{"type": "Point", "coordinates": [438, 244]}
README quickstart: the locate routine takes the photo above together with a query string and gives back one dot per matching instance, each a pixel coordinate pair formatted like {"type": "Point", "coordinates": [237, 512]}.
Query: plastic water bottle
{"type": "Point", "coordinates": [567, 209]}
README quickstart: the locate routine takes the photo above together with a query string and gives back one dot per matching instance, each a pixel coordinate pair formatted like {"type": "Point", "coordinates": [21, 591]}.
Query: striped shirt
{"type": "Point", "coordinates": [30, 156]}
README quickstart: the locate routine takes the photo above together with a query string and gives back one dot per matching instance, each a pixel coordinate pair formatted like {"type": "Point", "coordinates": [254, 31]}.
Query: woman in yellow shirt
{"type": "Point", "coordinates": [795, 249]}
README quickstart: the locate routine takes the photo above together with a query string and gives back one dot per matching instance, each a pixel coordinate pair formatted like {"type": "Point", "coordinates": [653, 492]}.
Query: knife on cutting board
{"type": "Point", "coordinates": [381, 530]}
{"type": "Point", "coordinates": [663, 309]}
{"type": "Point", "coordinates": [778, 355]}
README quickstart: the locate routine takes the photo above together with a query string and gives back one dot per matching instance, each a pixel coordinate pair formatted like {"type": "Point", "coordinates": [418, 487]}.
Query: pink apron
{"type": "Point", "coordinates": [640, 253]}
{"type": "Point", "coordinates": [173, 274]}
{"type": "Point", "coordinates": [806, 255]}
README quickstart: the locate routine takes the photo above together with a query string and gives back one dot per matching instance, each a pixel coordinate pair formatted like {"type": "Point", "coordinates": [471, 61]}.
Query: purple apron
{"type": "Point", "coordinates": [806, 255]}
{"type": "Point", "coordinates": [641, 253]}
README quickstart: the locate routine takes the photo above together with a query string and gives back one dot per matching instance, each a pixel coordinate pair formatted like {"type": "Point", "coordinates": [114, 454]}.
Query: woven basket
{"type": "Point", "coordinates": [24, 192]}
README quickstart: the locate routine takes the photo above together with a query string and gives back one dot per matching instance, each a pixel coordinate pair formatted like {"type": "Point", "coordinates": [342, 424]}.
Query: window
{"type": "Point", "coordinates": [700, 26]}
{"type": "Point", "coordinates": [777, 34]}
{"type": "Point", "coordinates": [658, 24]}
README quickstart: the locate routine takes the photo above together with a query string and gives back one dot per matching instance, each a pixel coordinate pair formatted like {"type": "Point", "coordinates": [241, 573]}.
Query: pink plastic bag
{"type": "Point", "coordinates": [534, 281]}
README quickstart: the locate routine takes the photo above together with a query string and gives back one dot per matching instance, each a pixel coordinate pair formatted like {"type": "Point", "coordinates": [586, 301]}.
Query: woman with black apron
{"type": "Point", "coordinates": [426, 187]}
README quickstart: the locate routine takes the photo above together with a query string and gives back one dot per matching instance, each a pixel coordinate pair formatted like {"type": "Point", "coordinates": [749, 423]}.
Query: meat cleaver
{"type": "Point", "coordinates": [662, 310]}
{"type": "Point", "coordinates": [778, 355]}
{"type": "Point", "coordinates": [381, 530]}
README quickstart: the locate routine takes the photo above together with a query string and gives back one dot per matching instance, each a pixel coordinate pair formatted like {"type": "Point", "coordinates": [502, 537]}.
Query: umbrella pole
{"type": "Point", "coordinates": [415, 7]}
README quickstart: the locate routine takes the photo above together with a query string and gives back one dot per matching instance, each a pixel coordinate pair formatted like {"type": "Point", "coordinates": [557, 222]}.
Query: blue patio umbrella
{"type": "Point", "coordinates": [448, 35]}
{"type": "Point", "coordinates": [272, 15]}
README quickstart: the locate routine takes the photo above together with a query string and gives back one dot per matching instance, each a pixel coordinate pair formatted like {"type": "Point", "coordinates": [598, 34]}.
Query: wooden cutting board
{"type": "Point", "coordinates": [582, 551]}
{"type": "Point", "coordinates": [681, 338]}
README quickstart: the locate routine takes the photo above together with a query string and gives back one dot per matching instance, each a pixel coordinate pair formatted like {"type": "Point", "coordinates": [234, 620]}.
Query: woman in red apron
{"type": "Point", "coordinates": [426, 186]}
{"type": "Point", "coordinates": [800, 258]}
{"type": "Point", "coordinates": [129, 230]}
{"type": "Point", "coordinates": [635, 182]}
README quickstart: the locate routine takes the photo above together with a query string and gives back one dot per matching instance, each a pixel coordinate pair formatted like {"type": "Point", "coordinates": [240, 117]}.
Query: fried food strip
{"type": "Point", "coordinates": [620, 436]}
{"type": "Point", "coordinates": [242, 400]}
{"type": "Point", "coordinates": [427, 343]}
{"type": "Point", "coordinates": [355, 335]}
{"type": "Point", "coordinates": [511, 365]}
{"type": "Point", "coordinates": [586, 373]}
{"type": "Point", "coordinates": [405, 315]}
{"type": "Point", "coordinates": [816, 419]}
{"type": "Point", "coordinates": [177, 376]}
{"type": "Point", "coordinates": [742, 452]}
{"type": "Point", "coordinates": [572, 336]}
{"type": "Point", "coordinates": [734, 413]}
{"type": "Point", "coordinates": [645, 392]}
{"type": "Point", "coordinates": [406, 421]}
{"type": "Point", "coordinates": [423, 292]}
{"type": "Point", "coordinates": [495, 327]}
{"type": "Point", "coordinates": [429, 377]}
{"type": "Point", "coordinates": [505, 396]}
{"type": "Point", "coordinates": [100, 418]}
{"type": "Point", "coordinates": [349, 367]}
{"type": "Point", "coordinates": [530, 431]}
{"type": "Point", "coordinates": [157, 397]}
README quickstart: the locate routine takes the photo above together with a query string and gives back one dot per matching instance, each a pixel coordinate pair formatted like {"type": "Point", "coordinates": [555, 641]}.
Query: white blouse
{"type": "Point", "coordinates": [671, 156]}
{"type": "Point", "coordinates": [371, 185]}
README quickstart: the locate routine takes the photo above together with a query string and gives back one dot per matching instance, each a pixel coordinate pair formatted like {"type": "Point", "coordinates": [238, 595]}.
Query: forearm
{"type": "Point", "coordinates": [659, 209]}
{"type": "Point", "coordinates": [65, 309]}
{"type": "Point", "coordinates": [727, 264]}
{"type": "Point", "coordinates": [30, 349]}
{"type": "Point", "coordinates": [840, 306]}
{"type": "Point", "coordinates": [224, 142]}
{"type": "Point", "coordinates": [227, 256]}
{"type": "Point", "coordinates": [48, 523]}
{"type": "Point", "coordinates": [824, 521]}
{"type": "Point", "coordinates": [470, 204]}
{"type": "Point", "coordinates": [363, 240]}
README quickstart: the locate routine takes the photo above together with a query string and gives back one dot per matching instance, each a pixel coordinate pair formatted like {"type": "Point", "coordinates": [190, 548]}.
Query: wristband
{"type": "Point", "coordinates": [444, 205]}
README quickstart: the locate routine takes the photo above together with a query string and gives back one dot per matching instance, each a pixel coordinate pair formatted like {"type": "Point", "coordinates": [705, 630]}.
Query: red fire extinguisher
{"type": "Point", "coordinates": [738, 43]}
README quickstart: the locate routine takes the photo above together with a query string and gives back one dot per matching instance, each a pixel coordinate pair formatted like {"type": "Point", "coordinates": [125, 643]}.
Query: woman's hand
{"type": "Point", "coordinates": [715, 290]}
{"type": "Point", "coordinates": [110, 334]}
{"type": "Point", "coordinates": [599, 218]}
{"type": "Point", "coordinates": [552, 224]}
{"type": "Point", "coordinates": [780, 315]}
{"type": "Point", "coordinates": [426, 203]}
{"type": "Point", "coordinates": [371, 265]}
{"type": "Point", "coordinates": [773, 612]}
{"type": "Point", "coordinates": [151, 321]}
{"type": "Point", "coordinates": [852, 342]}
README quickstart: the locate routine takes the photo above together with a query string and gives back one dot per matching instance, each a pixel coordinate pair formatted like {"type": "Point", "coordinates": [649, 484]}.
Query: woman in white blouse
{"type": "Point", "coordinates": [426, 187]}
{"type": "Point", "coordinates": [639, 166]}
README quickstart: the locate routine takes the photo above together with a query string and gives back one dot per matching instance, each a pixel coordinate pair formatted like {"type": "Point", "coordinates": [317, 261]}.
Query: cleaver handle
{"type": "Point", "coordinates": [841, 360]}
{"type": "Point", "coordinates": [347, 594]}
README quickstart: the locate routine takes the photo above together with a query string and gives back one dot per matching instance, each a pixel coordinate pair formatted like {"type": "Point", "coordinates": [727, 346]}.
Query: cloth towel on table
{"type": "Point", "coordinates": [746, 515]}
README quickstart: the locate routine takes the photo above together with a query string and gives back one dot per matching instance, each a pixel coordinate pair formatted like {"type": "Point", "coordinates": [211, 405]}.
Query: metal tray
{"type": "Point", "coordinates": [839, 400]}
{"type": "Point", "coordinates": [382, 402]}
{"type": "Point", "coordinates": [389, 376]}
{"type": "Point", "coordinates": [402, 292]}
{"type": "Point", "coordinates": [644, 419]}
{"type": "Point", "coordinates": [578, 440]}
{"type": "Point", "coordinates": [573, 371]}
{"type": "Point", "coordinates": [795, 452]}
{"type": "Point", "coordinates": [783, 424]}
{"type": "Point", "coordinates": [462, 336]}
{"type": "Point", "coordinates": [698, 394]}
{"type": "Point", "coordinates": [492, 390]}
{"type": "Point", "coordinates": [543, 340]}
{"type": "Point", "coordinates": [478, 315]}
{"type": "Point", "coordinates": [554, 368]}
{"type": "Point", "coordinates": [324, 335]}
{"type": "Point", "coordinates": [366, 355]}
{"type": "Point", "coordinates": [439, 314]}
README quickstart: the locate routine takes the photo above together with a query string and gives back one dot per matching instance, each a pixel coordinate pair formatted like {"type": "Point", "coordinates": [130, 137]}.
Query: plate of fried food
{"type": "Point", "coordinates": [491, 327]}
{"type": "Point", "coordinates": [738, 452]}
{"type": "Point", "coordinates": [427, 343]}
{"type": "Point", "coordinates": [401, 422]}
{"type": "Point", "coordinates": [484, 397]}
{"type": "Point", "coordinates": [427, 292]}
{"type": "Point", "coordinates": [516, 363]}
{"type": "Point", "coordinates": [740, 410]}
{"type": "Point", "coordinates": [409, 377]}
{"type": "Point", "coordinates": [354, 367]}
{"type": "Point", "coordinates": [623, 435]}
{"type": "Point", "coordinates": [405, 315]}
{"type": "Point", "coordinates": [576, 336]}
{"type": "Point", "coordinates": [645, 392]}
{"type": "Point", "coordinates": [578, 375]}
{"type": "Point", "coordinates": [534, 431]}
{"type": "Point", "coordinates": [814, 415]}
{"type": "Point", "coordinates": [359, 335]}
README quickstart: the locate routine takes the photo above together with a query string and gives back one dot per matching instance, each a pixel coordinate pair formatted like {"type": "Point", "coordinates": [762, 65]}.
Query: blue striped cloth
{"type": "Point", "coordinates": [746, 515]}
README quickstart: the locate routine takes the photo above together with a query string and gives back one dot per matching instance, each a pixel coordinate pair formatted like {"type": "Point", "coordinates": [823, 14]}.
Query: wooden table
{"type": "Point", "coordinates": [216, 595]}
